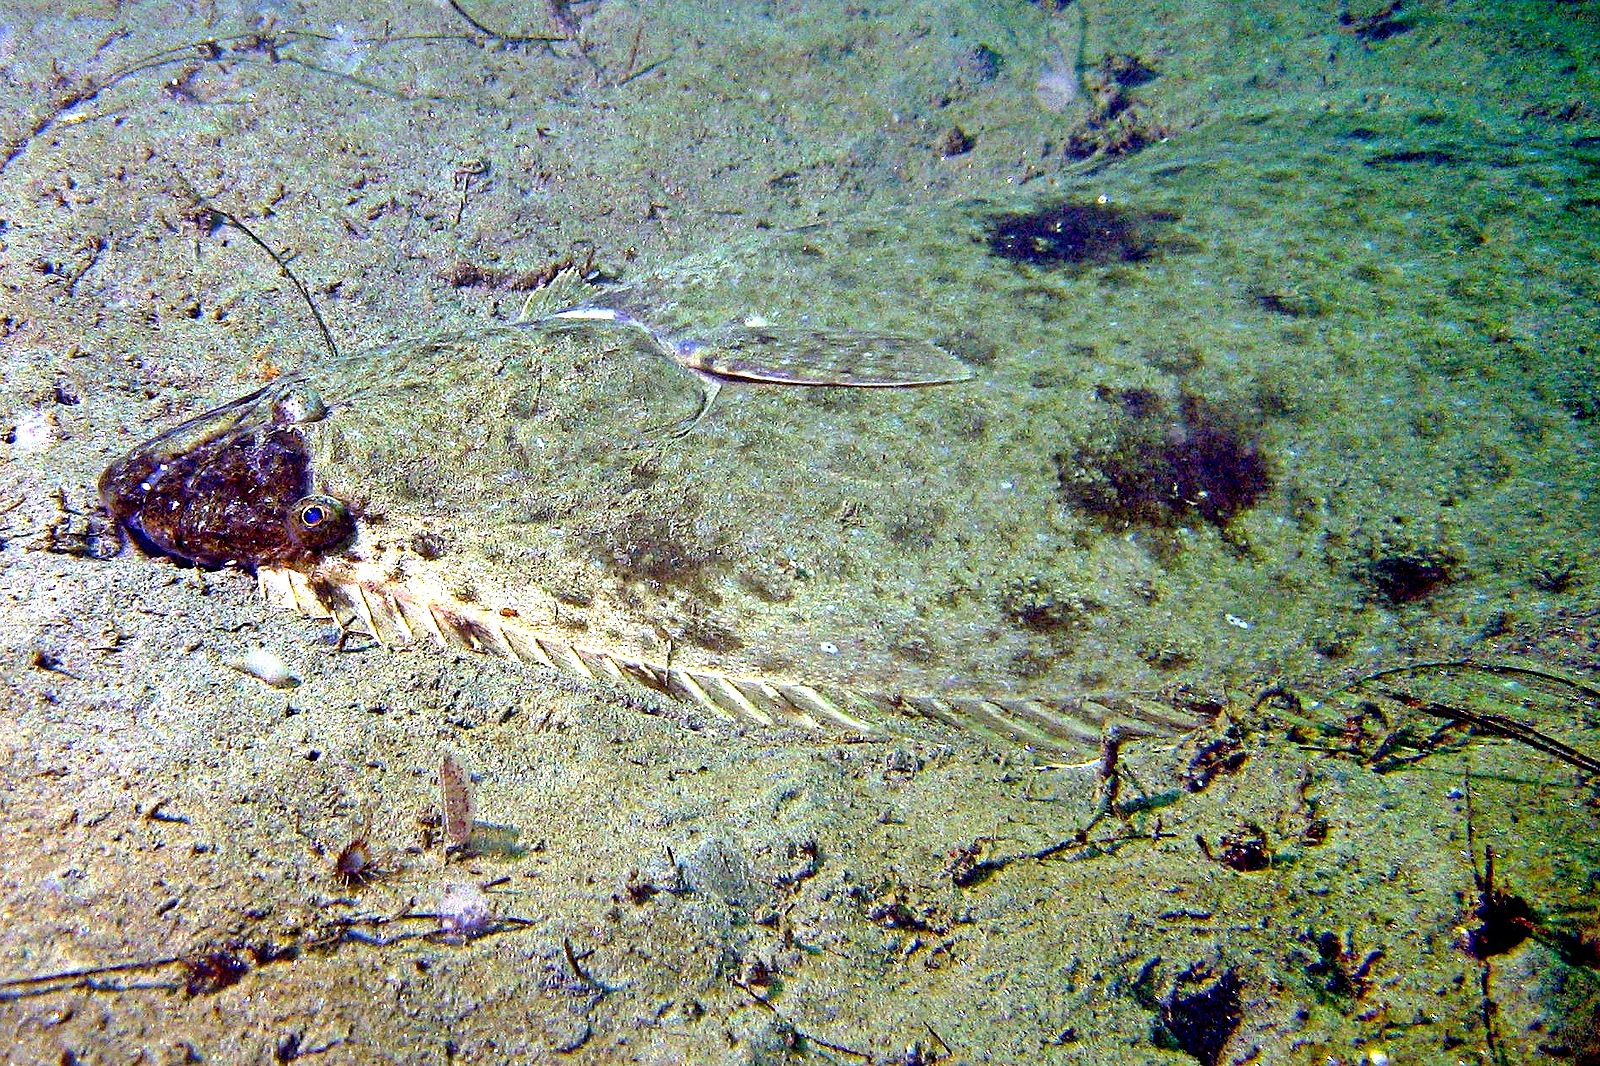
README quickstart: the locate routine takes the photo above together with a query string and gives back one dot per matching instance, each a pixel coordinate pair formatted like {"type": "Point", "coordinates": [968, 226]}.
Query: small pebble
{"type": "Point", "coordinates": [463, 910]}
{"type": "Point", "coordinates": [901, 763]}
{"type": "Point", "coordinates": [955, 141]}
{"type": "Point", "coordinates": [269, 667]}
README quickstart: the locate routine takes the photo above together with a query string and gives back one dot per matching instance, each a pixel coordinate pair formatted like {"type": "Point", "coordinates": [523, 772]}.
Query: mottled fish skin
{"type": "Point", "coordinates": [380, 580]}
{"type": "Point", "coordinates": [836, 557]}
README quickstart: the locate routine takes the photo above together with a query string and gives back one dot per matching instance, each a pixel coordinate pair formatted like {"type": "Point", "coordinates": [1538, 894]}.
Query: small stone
{"type": "Point", "coordinates": [955, 141]}
{"type": "Point", "coordinates": [463, 910]}
{"type": "Point", "coordinates": [567, 1033]}
{"type": "Point", "coordinates": [269, 667]}
{"type": "Point", "coordinates": [901, 763]}
{"type": "Point", "coordinates": [718, 868]}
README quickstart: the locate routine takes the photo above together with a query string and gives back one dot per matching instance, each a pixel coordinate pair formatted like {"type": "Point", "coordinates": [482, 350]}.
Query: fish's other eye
{"type": "Point", "coordinates": [299, 404]}
{"type": "Point", "coordinates": [317, 522]}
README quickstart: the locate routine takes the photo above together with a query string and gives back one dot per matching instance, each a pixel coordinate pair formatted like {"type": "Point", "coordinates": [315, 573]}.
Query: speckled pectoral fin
{"type": "Point", "coordinates": [565, 290]}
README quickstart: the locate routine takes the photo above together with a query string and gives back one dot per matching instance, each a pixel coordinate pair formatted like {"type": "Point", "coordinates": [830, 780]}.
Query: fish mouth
{"type": "Point", "coordinates": [232, 487]}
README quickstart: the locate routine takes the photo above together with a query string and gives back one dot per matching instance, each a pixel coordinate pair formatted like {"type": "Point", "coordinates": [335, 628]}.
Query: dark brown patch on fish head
{"type": "Point", "coordinates": [232, 487]}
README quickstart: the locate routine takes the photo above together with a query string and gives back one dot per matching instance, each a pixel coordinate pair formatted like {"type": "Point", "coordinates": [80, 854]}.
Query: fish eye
{"type": "Point", "coordinates": [317, 522]}
{"type": "Point", "coordinates": [300, 403]}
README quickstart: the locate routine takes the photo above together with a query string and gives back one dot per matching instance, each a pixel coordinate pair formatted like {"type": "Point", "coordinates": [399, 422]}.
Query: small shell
{"type": "Point", "coordinates": [34, 432]}
{"type": "Point", "coordinates": [463, 910]}
{"type": "Point", "coordinates": [267, 666]}
{"type": "Point", "coordinates": [455, 793]}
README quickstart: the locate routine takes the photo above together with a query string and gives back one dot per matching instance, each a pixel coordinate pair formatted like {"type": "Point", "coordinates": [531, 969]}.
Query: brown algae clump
{"type": "Point", "coordinates": [1076, 234]}
{"type": "Point", "coordinates": [1165, 462]}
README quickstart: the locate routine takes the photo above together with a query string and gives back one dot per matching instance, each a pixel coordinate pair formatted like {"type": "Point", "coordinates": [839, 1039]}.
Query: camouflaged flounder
{"type": "Point", "coordinates": [832, 557]}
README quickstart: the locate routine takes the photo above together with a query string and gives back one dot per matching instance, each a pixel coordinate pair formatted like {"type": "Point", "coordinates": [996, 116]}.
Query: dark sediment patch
{"type": "Point", "coordinates": [1077, 234]}
{"type": "Point", "coordinates": [1166, 462]}
{"type": "Point", "coordinates": [1405, 577]}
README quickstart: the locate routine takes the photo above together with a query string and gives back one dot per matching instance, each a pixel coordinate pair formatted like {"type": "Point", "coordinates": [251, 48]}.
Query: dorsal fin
{"type": "Point", "coordinates": [358, 597]}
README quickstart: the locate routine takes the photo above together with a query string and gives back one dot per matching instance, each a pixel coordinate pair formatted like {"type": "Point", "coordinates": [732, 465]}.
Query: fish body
{"type": "Point", "coordinates": [1126, 480]}
{"type": "Point", "coordinates": [503, 492]}
{"type": "Point", "coordinates": [836, 557]}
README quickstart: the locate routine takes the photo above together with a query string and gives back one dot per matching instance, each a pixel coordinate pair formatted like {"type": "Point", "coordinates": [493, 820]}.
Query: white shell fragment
{"type": "Point", "coordinates": [267, 666]}
{"type": "Point", "coordinates": [463, 909]}
{"type": "Point", "coordinates": [34, 432]}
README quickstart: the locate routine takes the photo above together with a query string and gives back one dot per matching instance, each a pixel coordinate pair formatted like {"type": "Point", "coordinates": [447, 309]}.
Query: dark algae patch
{"type": "Point", "coordinates": [1201, 1023]}
{"type": "Point", "coordinates": [1436, 157]}
{"type": "Point", "coordinates": [1118, 124]}
{"type": "Point", "coordinates": [1077, 234]}
{"type": "Point", "coordinates": [1504, 919]}
{"type": "Point", "coordinates": [1165, 461]}
{"type": "Point", "coordinates": [1402, 566]}
{"type": "Point", "coordinates": [1390, 20]}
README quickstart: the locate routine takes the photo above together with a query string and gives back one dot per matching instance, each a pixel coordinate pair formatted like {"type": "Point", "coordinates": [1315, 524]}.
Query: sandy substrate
{"type": "Point", "coordinates": [665, 888]}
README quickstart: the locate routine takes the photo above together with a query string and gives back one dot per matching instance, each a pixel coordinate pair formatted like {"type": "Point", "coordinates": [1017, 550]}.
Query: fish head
{"type": "Point", "coordinates": [233, 487]}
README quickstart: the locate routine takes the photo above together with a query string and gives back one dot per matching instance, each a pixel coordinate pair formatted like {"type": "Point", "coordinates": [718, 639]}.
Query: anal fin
{"type": "Point", "coordinates": [358, 597]}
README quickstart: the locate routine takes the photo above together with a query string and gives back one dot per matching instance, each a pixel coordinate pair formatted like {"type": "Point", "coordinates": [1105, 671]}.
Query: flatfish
{"type": "Point", "coordinates": [838, 556]}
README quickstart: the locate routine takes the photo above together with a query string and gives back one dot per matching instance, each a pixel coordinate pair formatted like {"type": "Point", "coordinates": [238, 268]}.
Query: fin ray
{"type": "Point", "coordinates": [838, 358]}
{"type": "Point", "coordinates": [359, 596]}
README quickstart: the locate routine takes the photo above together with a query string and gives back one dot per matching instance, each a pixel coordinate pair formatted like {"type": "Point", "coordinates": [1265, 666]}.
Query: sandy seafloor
{"type": "Point", "coordinates": [1410, 313]}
